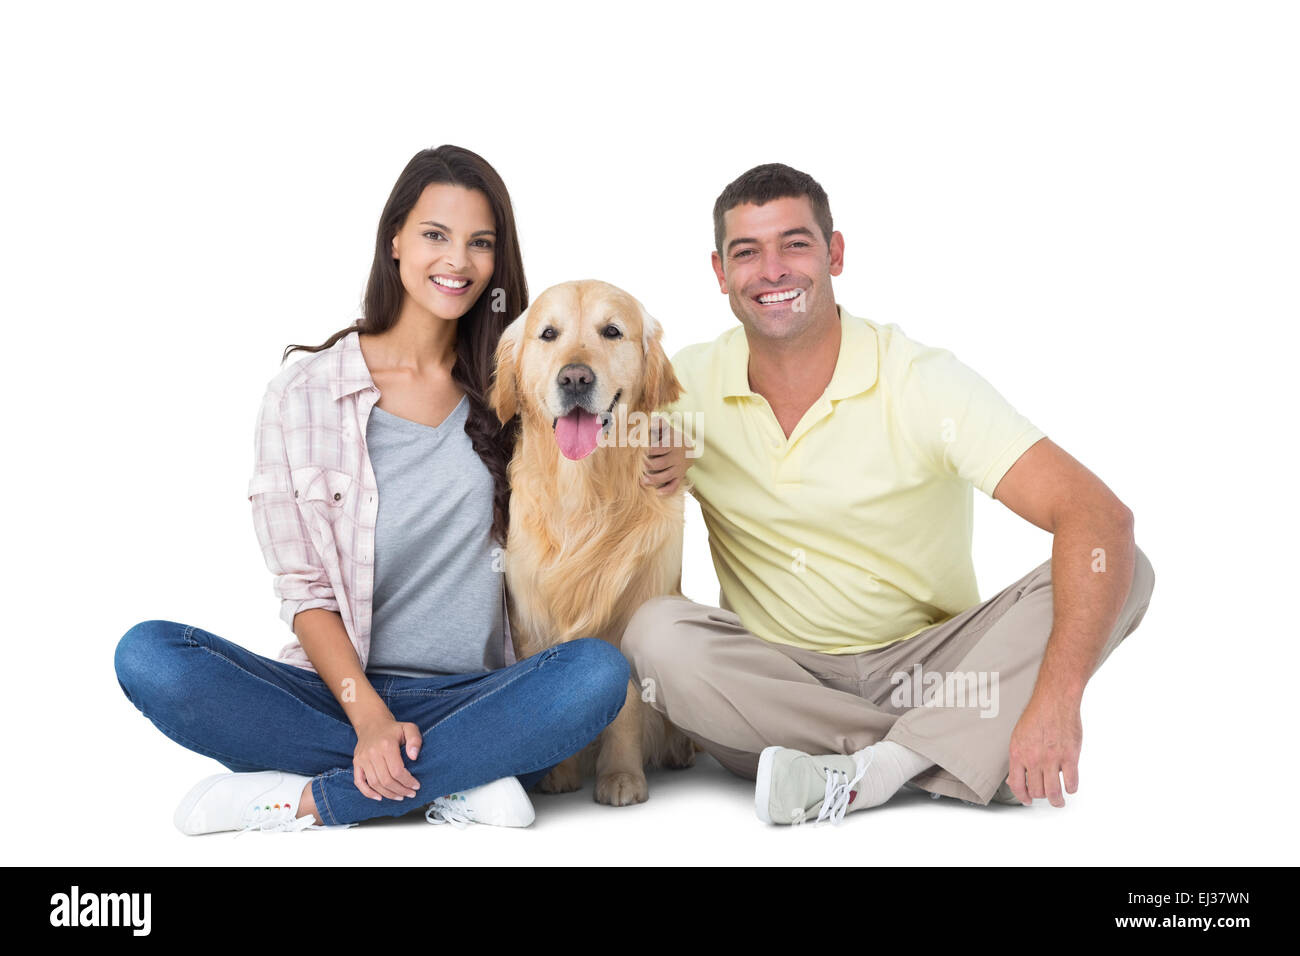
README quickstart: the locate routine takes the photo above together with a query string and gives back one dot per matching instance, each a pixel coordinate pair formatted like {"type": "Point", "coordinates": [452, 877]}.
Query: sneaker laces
{"type": "Point", "coordinates": [277, 818]}
{"type": "Point", "coordinates": [839, 790]}
{"type": "Point", "coordinates": [443, 810]}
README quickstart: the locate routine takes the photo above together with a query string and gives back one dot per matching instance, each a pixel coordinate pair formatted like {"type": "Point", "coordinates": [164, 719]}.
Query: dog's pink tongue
{"type": "Point", "coordinates": [577, 433]}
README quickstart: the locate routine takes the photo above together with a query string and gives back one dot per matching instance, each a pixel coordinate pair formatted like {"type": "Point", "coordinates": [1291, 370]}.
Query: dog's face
{"type": "Point", "coordinates": [580, 352]}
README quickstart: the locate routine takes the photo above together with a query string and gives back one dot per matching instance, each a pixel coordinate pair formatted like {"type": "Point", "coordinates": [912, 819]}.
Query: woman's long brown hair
{"type": "Point", "coordinates": [478, 329]}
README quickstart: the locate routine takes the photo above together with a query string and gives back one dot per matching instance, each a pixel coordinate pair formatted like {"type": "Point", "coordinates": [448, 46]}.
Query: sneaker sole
{"type": "Point", "coordinates": [763, 783]}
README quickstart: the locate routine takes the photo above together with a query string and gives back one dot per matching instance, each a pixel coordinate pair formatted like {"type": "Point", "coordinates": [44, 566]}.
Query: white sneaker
{"type": "Point", "coordinates": [501, 803]}
{"type": "Point", "coordinates": [267, 800]}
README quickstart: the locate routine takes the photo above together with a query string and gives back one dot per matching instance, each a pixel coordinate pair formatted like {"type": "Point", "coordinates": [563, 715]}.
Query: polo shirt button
{"type": "Point", "coordinates": [775, 443]}
{"type": "Point", "coordinates": [337, 496]}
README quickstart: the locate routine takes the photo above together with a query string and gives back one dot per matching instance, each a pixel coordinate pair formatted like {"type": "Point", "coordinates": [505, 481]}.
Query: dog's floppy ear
{"type": "Point", "coordinates": [661, 384]}
{"type": "Point", "coordinates": [503, 397]}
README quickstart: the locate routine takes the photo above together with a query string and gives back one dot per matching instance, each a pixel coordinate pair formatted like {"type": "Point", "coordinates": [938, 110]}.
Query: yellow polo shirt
{"type": "Point", "coordinates": [855, 532]}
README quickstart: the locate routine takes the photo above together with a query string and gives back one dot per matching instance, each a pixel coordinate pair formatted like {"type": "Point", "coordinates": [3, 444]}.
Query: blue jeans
{"type": "Point", "coordinates": [253, 713]}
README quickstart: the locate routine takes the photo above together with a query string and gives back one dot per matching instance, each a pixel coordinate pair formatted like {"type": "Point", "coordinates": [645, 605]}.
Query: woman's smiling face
{"type": "Point", "coordinates": [446, 250]}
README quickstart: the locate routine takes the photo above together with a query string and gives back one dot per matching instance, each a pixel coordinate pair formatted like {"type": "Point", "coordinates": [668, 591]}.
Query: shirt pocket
{"type": "Point", "coordinates": [322, 491]}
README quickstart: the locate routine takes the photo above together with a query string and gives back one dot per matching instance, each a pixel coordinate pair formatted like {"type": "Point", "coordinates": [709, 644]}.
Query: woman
{"type": "Point", "coordinates": [381, 503]}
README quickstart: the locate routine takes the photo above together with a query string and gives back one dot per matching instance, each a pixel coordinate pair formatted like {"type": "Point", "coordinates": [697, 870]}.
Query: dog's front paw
{"type": "Point", "coordinates": [622, 789]}
{"type": "Point", "coordinates": [563, 778]}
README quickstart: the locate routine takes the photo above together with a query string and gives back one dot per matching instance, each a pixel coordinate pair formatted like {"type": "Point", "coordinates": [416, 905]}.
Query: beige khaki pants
{"type": "Point", "coordinates": [735, 693]}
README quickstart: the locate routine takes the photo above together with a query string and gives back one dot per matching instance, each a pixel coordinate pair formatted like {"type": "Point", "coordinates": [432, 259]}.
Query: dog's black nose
{"type": "Point", "coordinates": [575, 379]}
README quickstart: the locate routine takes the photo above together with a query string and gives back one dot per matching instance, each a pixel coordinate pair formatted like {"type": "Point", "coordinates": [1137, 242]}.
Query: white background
{"type": "Point", "coordinates": [1094, 205]}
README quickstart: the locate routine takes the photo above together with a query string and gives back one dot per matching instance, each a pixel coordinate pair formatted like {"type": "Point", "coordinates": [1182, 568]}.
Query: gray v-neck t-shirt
{"type": "Point", "coordinates": [437, 606]}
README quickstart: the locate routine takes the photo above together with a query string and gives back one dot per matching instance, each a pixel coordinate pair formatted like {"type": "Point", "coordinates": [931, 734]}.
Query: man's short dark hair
{"type": "Point", "coordinates": [771, 181]}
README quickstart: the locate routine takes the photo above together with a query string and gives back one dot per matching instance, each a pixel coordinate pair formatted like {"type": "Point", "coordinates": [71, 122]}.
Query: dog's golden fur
{"type": "Point", "coordinates": [588, 542]}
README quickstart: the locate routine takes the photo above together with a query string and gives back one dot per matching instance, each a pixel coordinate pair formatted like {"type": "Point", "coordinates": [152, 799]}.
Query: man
{"type": "Point", "coordinates": [851, 653]}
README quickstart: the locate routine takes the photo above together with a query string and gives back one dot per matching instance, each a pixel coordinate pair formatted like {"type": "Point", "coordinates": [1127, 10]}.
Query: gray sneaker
{"type": "Point", "coordinates": [1003, 794]}
{"type": "Point", "coordinates": [790, 785]}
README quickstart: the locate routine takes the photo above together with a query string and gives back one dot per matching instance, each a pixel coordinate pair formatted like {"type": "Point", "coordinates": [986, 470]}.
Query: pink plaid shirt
{"type": "Point", "coordinates": [314, 493]}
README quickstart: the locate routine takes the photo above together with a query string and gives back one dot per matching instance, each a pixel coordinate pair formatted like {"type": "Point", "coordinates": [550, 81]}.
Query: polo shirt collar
{"type": "Point", "coordinates": [856, 367]}
{"type": "Point", "coordinates": [349, 372]}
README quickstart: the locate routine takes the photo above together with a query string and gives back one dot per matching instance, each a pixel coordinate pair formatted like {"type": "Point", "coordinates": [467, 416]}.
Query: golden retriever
{"type": "Point", "coordinates": [588, 544]}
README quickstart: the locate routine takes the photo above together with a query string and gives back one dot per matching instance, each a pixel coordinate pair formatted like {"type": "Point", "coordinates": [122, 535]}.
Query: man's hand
{"type": "Point", "coordinates": [665, 458]}
{"type": "Point", "coordinates": [1044, 744]}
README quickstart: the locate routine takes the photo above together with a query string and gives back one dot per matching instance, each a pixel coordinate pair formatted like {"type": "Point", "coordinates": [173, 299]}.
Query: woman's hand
{"type": "Point", "coordinates": [377, 766]}
{"type": "Point", "coordinates": [665, 458]}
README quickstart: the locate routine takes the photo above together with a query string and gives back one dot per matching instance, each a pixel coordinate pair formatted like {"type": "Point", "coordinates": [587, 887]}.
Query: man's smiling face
{"type": "Point", "coordinates": [776, 267]}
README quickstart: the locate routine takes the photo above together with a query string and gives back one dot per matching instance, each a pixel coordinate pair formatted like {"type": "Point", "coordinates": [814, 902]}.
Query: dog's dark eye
{"type": "Point", "coordinates": [612, 332]}
{"type": "Point", "coordinates": [549, 333]}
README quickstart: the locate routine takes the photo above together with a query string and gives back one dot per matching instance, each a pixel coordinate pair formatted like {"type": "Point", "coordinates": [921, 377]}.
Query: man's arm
{"type": "Point", "coordinates": [1093, 555]}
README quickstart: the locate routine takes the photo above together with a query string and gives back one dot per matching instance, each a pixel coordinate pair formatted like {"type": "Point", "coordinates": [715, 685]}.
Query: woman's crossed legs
{"type": "Point", "coordinates": [252, 713]}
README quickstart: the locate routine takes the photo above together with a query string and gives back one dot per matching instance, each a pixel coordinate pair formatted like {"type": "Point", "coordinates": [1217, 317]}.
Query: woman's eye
{"type": "Point", "coordinates": [431, 234]}
{"type": "Point", "coordinates": [486, 244]}
{"type": "Point", "coordinates": [613, 332]}
{"type": "Point", "coordinates": [548, 334]}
